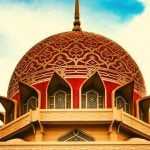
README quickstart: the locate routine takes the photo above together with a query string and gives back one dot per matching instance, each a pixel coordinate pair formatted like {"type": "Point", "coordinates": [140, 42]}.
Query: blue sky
{"type": "Point", "coordinates": [23, 23]}
{"type": "Point", "coordinates": [124, 9]}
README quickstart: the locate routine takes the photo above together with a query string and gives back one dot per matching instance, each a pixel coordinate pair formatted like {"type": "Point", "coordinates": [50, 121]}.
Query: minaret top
{"type": "Point", "coordinates": [77, 17]}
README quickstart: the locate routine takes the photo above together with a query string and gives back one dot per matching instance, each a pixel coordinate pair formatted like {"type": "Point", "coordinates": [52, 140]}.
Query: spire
{"type": "Point", "coordinates": [77, 17]}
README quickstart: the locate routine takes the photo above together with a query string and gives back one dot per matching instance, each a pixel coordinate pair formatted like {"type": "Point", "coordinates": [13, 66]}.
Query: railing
{"type": "Point", "coordinates": [80, 115]}
{"type": "Point", "coordinates": [15, 125]}
{"type": "Point", "coordinates": [135, 123]}
{"type": "Point", "coordinates": [76, 116]}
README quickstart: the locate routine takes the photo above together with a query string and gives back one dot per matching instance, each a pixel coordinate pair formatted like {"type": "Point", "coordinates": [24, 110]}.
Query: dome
{"type": "Point", "coordinates": [76, 54]}
{"type": "Point", "coordinates": [76, 86]}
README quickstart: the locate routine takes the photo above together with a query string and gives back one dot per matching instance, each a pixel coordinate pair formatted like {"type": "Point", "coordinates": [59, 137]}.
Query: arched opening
{"type": "Point", "coordinates": [60, 100]}
{"type": "Point", "coordinates": [93, 93]}
{"type": "Point", "coordinates": [59, 93]}
{"type": "Point", "coordinates": [31, 104]}
{"type": "Point", "coordinates": [76, 135]}
{"type": "Point", "coordinates": [124, 98]}
{"type": "Point", "coordinates": [144, 109]}
{"type": "Point", "coordinates": [29, 98]}
{"type": "Point", "coordinates": [92, 99]}
{"type": "Point", "coordinates": [8, 107]}
{"type": "Point", "coordinates": [120, 103]}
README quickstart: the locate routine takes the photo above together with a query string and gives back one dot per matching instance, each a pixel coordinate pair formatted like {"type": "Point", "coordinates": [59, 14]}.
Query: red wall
{"type": "Point", "coordinates": [76, 84]}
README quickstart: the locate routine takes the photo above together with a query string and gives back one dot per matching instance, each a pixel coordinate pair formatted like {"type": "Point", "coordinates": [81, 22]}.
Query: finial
{"type": "Point", "coordinates": [77, 17]}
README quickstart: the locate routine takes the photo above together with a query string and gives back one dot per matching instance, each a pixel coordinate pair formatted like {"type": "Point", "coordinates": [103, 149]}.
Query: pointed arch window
{"type": "Point", "coordinates": [60, 100]}
{"type": "Point", "coordinates": [29, 98]}
{"type": "Point", "coordinates": [76, 135]}
{"type": "Point", "coordinates": [121, 103]}
{"type": "Point", "coordinates": [59, 93]}
{"type": "Point", "coordinates": [31, 104]}
{"type": "Point", "coordinates": [92, 99]}
{"type": "Point", "coordinates": [124, 98]}
{"type": "Point", "coordinates": [93, 93]}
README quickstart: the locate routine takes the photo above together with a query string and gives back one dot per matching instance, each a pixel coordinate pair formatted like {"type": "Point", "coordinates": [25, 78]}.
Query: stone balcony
{"type": "Point", "coordinates": [78, 116]}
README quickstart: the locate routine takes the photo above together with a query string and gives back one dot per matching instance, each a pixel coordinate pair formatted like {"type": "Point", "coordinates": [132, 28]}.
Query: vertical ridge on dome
{"type": "Point", "coordinates": [77, 17]}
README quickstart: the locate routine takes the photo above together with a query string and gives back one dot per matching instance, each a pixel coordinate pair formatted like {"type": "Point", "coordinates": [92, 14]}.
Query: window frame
{"type": "Point", "coordinates": [98, 98]}
{"type": "Point", "coordinates": [126, 107]}
{"type": "Point", "coordinates": [53, 97]}
{"type": "Point", "coordinates": [26, 107]}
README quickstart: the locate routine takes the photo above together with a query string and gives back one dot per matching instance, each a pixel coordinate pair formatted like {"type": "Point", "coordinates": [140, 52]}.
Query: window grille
{"type": "Point", "coordinates": [121, 103]}
{"type": "Point", "coordinates": [91, 99]}
{"type": "Point", "coordinates": [31, 103]}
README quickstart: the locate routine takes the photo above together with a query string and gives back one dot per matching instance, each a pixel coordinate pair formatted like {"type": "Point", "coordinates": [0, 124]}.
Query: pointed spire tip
{"type": "Point", "coordinates": [77, 22]}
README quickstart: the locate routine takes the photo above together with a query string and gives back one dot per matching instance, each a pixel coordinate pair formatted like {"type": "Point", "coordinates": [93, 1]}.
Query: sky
{"type": "Point", "coordinates": [23, 23]}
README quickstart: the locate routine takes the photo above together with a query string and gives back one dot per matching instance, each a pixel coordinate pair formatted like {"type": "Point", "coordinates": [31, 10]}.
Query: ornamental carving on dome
{"type": "Point", "coordinates": [76, 54]}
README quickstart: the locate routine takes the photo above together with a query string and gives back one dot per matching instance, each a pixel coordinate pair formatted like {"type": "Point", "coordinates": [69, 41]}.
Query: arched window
{"type": "Point", "coordinates": [75, 135]}
{"type": "Point", "coordinates": [29, 98]}
{"type": "Point", "coordinates": [123, 98]}
{"type": "Point", "coordinates": [91, 99]}
{"type": "Point", "coordinates": [93, 93]}
{"type": "Point", "coordinates": [121, 103]}
{"type": "Point", "coordinates": [31, 103]}
{"type": "Point", "coordinates": [59, 93]}
{"type": "Point", "coordinates": [60, 100]}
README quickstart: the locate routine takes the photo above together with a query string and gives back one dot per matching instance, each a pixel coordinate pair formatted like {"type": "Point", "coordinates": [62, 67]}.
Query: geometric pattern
{"type": "Point", "coordinates": [75, 135]}
{"type": "Point", "coordinates": [76, 54]}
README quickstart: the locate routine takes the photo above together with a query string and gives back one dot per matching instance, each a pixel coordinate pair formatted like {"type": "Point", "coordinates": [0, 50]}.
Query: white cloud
{"type": "Point", "coordinates": [134, 37]}
{"type": "Point", "coordinates": [24, 28]}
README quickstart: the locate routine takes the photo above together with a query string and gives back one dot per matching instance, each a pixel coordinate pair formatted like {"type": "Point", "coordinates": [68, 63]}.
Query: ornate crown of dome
{"type": "Point", "coordinates": [76, 54]}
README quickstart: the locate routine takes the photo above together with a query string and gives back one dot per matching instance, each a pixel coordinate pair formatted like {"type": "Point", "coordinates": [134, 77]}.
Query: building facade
{"type": "Point", "coordinates": [76, 90]}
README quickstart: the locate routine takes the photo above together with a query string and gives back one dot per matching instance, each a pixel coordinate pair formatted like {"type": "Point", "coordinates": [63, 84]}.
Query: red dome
{"type": "Point", "coordinates": [76, 54]}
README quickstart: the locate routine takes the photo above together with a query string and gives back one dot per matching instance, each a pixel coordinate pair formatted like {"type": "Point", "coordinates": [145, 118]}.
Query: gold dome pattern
{"type": "Point", "coordinates": [76, 54]}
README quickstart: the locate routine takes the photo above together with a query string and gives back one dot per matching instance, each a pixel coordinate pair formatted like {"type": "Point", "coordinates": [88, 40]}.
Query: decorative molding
{"type": "Point", "coordinates": [76, 146]}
